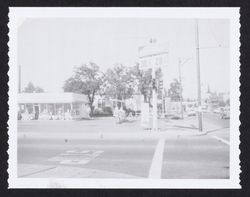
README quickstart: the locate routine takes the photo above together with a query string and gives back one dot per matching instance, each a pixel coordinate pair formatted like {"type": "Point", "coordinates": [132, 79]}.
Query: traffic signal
{"type": "Point", "coordinates": [154, 84]}
{"type": "Point", "coordinates": [160, 85]}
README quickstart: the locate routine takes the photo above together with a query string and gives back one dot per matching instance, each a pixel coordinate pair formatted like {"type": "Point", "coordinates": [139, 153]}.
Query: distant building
{"type": "Point", "coordinates": [101, 102]}
{"type": "Point", "coordinates": [189, 105]}
{"type": "Point", "coordinates": [224, 97]}
{"type": "Point", "coordinates": [52, 106]}
{"type": "Point", "coordinates": [133, 103]}
{"type": "Point", "coordinates": [172, 107]}
{"type": "Point", "coordinates": [217, 100]}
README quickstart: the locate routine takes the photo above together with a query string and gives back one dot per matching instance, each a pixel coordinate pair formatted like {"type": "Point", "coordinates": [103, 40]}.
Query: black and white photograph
{"type": "Point", "coordinates": [123, 97]}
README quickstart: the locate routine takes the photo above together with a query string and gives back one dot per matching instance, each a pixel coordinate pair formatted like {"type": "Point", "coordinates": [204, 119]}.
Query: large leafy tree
{"type": "Point", "coordinates": [174, 92]}
{"type": "Point", "coordinates": [87, 79]}
{"type": "Point", "coordinates": [119, 83]}
{"type": "Point", "coordinates": [30, 88]}
{"type": "Point", "coordinates": [144, 80]}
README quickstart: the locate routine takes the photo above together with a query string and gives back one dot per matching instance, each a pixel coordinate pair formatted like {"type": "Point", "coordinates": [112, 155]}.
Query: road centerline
{"type": "Point", "coordinates": [156, 165]}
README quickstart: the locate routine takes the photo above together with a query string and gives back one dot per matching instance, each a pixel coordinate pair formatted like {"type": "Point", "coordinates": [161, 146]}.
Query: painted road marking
{"type": "Point", "coordinates": [75, 161]}
{"type": "Point", "coordinates": [220, 139]}
{"type": "Point", "coordinates": [156, 165]}
{"type": "Point", "coordinates": [76, 157]}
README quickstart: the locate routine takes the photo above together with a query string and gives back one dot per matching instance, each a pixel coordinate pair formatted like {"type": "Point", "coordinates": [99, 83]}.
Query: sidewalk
{"type": "Point", "coordinates": [108, 129]}
{"type": "Point", "coordinates": [135, 134]}
{"type": "Point", "coordinates": [48, 171]}
{"type": "Point", "coordinates": [192, 124]}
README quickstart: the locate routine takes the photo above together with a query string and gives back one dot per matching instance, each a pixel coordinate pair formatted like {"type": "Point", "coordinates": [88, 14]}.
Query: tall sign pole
{"type": "Point", "coordinates": [198, 76]}
{"type": "Point", "coordinates": [181, 97]}
{"type": "Point", "coordinates": [153, 56]}
{"type": "Point", "coordinates": [180, 63]}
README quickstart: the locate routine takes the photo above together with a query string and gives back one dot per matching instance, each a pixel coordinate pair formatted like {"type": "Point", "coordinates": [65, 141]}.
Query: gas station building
{"type": "Point", "coordinates": [52, 106]}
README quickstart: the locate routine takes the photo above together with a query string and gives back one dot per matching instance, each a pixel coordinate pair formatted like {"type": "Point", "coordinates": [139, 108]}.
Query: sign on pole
{"type": "Point", "coordinates": [153, 56]}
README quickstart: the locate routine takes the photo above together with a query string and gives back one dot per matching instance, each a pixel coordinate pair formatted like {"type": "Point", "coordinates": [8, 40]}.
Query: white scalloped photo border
{"type": "Point", "coordinates": [16, 15]}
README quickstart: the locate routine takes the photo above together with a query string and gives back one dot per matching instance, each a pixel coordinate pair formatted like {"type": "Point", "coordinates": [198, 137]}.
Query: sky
{"type": "Point", "coordinates": [50, 48]}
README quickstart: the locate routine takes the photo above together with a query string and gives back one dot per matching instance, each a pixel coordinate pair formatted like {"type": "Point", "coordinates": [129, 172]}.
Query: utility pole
{"type": "Point", "coordinates": [181, 98]}
{"type": "Point", "coordinates": [154, 99]}
{"type": "Point", "coordinates": [180, 63]}
{"type": "Point", "coordinates": [198, 76]}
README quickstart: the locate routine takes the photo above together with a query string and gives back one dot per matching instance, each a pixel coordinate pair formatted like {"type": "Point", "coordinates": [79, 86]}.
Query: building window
{"type": "Point", "coordinates": [76, 108]}
{"type": "Point", "coordinates": [43, 108]}
{"type": "Point", "coordinates": [51, 109]}
{"type": "Point", "coordinates": [67, 107]}
{"type": "Point", "coordinates": [29, 108]}
{"type": "Point", "coordinates": [22, 108]}
{"type": "Point", "coordinates": [59, 109]}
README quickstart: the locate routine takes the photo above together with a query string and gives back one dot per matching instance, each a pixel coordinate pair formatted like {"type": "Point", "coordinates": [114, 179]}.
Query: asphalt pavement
{"type": "Point", "coordinates": [102, 149]}
{"type": "Point", "coordinates": [195, 157]}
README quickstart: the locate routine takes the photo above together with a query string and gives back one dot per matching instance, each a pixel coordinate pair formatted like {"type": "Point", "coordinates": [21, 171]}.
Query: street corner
{"type": "Point", "coordinates": [180, 132]}
{"type": "Point", "coordinates": [193, 134]}
{"type": "Point", "coordinates": [26, 170]}
{"type": "Point", "coordinates": [122, 104]}
{"type": "Point", "coordinates": [44, 171]}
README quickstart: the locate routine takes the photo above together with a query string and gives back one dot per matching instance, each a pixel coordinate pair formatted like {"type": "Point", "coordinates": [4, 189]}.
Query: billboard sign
{"type": "Point", "coordinates": [153, 55]}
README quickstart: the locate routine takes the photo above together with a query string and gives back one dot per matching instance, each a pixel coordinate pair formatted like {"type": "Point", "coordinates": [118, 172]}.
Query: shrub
{"type": "Point", "coordinates": [108, 110]}
{"type": "Point", "coordinates": [105, 111]}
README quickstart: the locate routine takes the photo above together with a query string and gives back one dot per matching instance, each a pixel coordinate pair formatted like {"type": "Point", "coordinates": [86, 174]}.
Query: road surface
{"type": "Point", "coordinates": [44, 146]}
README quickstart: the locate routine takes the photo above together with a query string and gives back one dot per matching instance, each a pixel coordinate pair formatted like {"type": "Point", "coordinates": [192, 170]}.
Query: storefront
{"type": "Point", "coordinates": [52, 106]}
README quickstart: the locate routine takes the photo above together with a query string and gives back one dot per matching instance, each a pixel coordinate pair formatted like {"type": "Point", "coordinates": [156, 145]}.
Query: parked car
{"type": "Point", "coordinates": [204, 108]}
{"type": "Point", "coordinates": [19, 115]}
{"type": "Point", "coordinates": [217, 110]}
{"type": "Point", "coordinates": [175, 117]}
{"type": "Point", "coordinates": [138, 112]}
{"type": "Point", "coordinates": [225, 113]}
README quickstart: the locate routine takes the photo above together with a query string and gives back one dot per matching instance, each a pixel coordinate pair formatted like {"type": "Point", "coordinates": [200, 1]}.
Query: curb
{"type": "Point", "coordinates": [108, 136]}
{"type": "Point", "coordinates": [44, 171]}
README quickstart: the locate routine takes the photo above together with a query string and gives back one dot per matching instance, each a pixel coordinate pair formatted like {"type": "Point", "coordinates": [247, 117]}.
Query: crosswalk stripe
{"type": "Point", "coordinates": [156, 165]}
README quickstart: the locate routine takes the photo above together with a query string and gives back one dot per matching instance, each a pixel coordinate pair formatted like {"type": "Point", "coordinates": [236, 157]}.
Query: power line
{"type": "Point", "coordinates": [212, 32]}
{"type": "Point", "coordinates": [219, 44]}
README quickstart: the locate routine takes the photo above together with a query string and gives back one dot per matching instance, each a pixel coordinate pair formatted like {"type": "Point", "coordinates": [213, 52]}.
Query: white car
{"type": "Point", "coordinates": [191, 113]}
{"type": "Point", "coordinates": [217, 111]}
{"type": "Point", "coordinates": [225, 113]}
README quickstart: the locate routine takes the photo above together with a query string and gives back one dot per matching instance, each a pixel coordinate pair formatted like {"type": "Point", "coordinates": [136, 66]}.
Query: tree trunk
{"type": "Point", "coordinates": [91, 110]}
{"type": "Point", "coordinates": [90, 105]}
{"type": "Point", "coordinates": [145, 98]}
{"type": "Point", "coordinates": [91, 101]}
